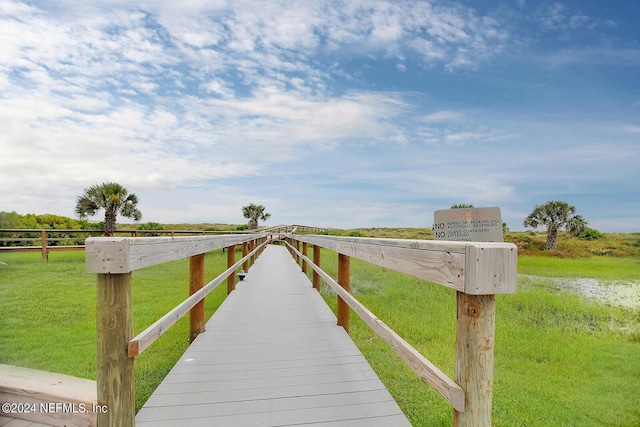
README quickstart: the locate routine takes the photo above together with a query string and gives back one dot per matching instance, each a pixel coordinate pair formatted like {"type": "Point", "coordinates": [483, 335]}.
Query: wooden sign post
{"type": "Point", "coordinates": [476, 314]}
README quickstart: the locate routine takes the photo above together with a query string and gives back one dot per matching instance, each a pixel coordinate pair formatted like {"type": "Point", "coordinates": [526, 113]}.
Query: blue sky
{"type": "Point", "coordinates": [343, 114]}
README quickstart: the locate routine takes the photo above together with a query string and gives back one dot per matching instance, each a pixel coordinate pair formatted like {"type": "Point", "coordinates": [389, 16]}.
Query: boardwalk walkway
{"type": "Point", "coordinates": [272, 355]}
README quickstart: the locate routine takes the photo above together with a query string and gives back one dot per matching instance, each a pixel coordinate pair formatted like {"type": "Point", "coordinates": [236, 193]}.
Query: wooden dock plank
{"type": "Point", "coordinates": [272, 355]}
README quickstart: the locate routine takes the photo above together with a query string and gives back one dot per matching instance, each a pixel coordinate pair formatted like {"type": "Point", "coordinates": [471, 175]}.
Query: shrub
{"type": "Point", "coordinates": [151, 226]}
{"type": "Point", "coordinates": [590, 234]}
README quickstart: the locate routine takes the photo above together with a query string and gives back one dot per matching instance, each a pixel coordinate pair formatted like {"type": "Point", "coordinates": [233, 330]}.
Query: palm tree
{"type": "Point", "coordinates": [555, 214]}
{"type": "Point", "coordinates": [113, 198]}
{"type": "Point", "coordinates": [254, 213]}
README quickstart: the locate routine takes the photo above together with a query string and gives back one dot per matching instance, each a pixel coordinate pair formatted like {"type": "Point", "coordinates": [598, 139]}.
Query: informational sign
{"type": "Point", "coordinates": [468, 225]}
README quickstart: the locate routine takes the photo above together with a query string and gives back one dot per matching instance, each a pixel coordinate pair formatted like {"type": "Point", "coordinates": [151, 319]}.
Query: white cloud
{"type": "Point", "coordinates": [551, 15]}
{"type": "Point", "coordinates": [229, 102]}
{"type": "Point", "coordinates": [442, 116]}
{"type": "Point", "coordinates": [219, 87]}
{"type": "Point", "coordinates": [463, 137]}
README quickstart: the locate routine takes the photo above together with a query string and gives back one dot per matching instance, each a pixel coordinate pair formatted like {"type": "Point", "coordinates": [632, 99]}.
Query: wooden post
{"type": "Point", "coordinates": [297, 245]}
{"type": "Point", "coordinates": [476, 315]}
{"type": "Point", "coordinates": [45, 250]}
{"type": "Point", "coordinates": [344, 280]}
{"type": "Point", "coordinates": [231, 259]}
{"type": "Point", "coordinates": [196, 282]}
{"type": "Point", "coordinates": [245, 252]}
{"type": "Point", "coordinates": [316, 261]}
{"type": "Point", "coordinates": [304, 252]}
{"type": "Point", "coordinates": [114, 327]}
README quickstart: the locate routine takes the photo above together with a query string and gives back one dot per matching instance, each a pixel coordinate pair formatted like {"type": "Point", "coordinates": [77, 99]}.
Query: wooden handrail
{"type": "Point", "coordinates": [44, 238]}
{"type": "Point", "coordinates": [117, 255]}
{"type": "Point", "coordinates": [145, 338]}
{"type": "Point", "coordinates": [476, 270]}
{"type": "Point", "coordinates": [114, 259]}
{"type": "Point", "coordinates": [428, 372]}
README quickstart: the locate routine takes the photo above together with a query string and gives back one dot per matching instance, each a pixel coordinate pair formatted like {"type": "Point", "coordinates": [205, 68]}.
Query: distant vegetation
{"type": "Point", "coordinates": [588, 242]}
{"type": "Point", "coordinates": [13, 220]}
{"type": "Point", "coordinates": [45, 221]}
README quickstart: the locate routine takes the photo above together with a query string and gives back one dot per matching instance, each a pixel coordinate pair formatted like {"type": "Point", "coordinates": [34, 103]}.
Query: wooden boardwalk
{"type": "Point", "coordinates": [272, 355]}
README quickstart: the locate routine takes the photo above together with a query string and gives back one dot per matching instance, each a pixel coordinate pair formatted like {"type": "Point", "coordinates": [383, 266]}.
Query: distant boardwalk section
{"type": "Point", "coordinates": [272, 355]}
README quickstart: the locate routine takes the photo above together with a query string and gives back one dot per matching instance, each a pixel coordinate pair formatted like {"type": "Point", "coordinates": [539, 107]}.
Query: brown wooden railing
{"type": "Point", "coordinates": [43, 243]}
{"type": "Point", "coordinates": [114, 259]}
{"type": "Point", "coordinates": [477, 271]}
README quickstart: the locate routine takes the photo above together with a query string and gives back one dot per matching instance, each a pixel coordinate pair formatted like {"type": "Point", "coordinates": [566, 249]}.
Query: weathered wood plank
{"type": "Point", "coordinates": [477, 268]}
{"type": "Point", "coordinates": [441, 267]}
{"type": "Point", "coordinates": [490, 268]}
{"type": "Point", "coordinates": [231, 259]}
{"type": "Point", "coordinates": [316, 260]}
{"type": "Point", "coordinates": [126, 254]}
{"type": "Point", "coordinates": [30, 386]}
{"type": "Point", "coordinates": [196, 282]}
{"type": "Point", "coordinates": [331, 242]}
{"type": "Point", "coordinates": [475, 338]}
{"type": "Point", "coordinates": [344, 280]}
{"type": "Point", "coordinates": [114, 328]}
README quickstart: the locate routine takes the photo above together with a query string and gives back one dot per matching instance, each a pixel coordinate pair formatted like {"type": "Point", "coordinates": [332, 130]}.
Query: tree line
{"type": "Point", "coordinates": [110, 197]}
{"type": "Point", "coordinates": [13, 220]}
{"type": "Point", "coordinates": [115, 200]}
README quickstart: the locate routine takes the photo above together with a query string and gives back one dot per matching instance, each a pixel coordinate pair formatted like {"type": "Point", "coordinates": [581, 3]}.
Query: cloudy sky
{"type": "Point", "coordinates": [333, 113]}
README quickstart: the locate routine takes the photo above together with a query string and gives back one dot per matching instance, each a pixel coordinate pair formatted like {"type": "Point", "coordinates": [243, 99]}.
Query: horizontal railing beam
{"type": "Point", "coordinates": [477, 268]}
{"type": "Point", "coordinates": [119, 255]}
{"type": "Point", "coordinates": [39, 248]}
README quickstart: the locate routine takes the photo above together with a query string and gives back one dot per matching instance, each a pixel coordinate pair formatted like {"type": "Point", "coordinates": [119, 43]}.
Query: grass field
{"type": "Point", "coordinates": [48, 314]}
{"type": "Point", "coordinates": [559, 359]}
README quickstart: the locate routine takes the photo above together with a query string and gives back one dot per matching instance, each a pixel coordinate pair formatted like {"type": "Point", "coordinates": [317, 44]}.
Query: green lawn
{"type": "Point", "coordinates": [48, 314]}
{"type": "Point", "coordinates": [597, 267]}
{"type": "Point", "coordinates": [559, 359]}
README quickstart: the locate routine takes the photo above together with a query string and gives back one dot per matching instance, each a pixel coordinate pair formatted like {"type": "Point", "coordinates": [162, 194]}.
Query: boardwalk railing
{"type": "Point", "coordinates": [114, 259]}
{"type": "Point", "coordinates": [11, 237]}
{"type": "Point", "coordinates": [47, 240]}
{"type": "Point", "coordinates": [477, 271]}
